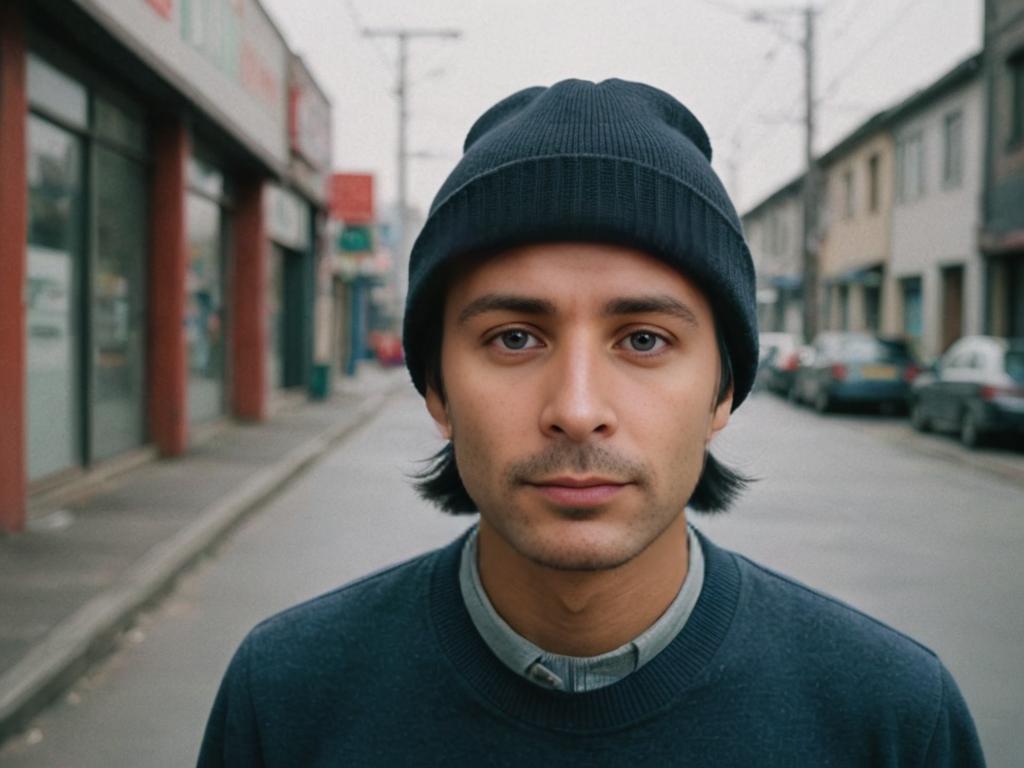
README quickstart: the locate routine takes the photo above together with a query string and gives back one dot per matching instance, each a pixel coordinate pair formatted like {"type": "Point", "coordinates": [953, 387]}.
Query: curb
{"type": "Point", "coordinates": [91, 631]}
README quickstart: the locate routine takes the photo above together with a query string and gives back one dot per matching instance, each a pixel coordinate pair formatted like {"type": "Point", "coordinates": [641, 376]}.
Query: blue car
{"type": "Point", "coordinates": [845, 368]}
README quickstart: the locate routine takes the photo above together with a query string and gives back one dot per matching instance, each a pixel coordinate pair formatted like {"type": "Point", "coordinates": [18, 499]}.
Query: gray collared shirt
{"type": "Point", "coordinates": [575, 673]}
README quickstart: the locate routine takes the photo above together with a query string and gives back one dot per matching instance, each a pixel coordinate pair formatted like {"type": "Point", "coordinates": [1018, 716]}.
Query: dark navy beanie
{"type": "Point", "coordinates": [611, 162]}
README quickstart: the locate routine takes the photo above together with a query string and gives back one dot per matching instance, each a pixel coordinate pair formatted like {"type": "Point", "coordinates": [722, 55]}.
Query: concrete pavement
{"type": "Point", "coordinates": [78, 575]}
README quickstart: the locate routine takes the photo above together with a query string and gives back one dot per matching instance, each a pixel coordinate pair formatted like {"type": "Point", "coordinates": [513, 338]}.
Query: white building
{"type": "Point", "coordinates": [934, 281]}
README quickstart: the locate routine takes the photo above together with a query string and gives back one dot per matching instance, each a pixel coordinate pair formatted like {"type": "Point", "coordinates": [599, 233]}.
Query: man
{"type": "Point", "coordinates": [581, 323]}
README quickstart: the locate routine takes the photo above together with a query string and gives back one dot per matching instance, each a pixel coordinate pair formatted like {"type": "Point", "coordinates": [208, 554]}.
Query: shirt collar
{"type": "Point", "coordinates": [575, 673]}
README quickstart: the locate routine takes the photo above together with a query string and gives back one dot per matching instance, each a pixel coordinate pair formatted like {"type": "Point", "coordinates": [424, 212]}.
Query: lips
{"type": "Point", "coordinates": [580, 491]}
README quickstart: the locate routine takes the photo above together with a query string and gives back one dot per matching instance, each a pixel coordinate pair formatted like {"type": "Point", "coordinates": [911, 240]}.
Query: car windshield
{"type": "Point", "coordinates": [1015, 364]}
{"type": "Point", "coordinates": [868, 349]}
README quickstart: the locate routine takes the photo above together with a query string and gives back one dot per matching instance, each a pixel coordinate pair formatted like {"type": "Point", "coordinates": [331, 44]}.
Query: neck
{"type": "Point", "coordinates": [583, 613]}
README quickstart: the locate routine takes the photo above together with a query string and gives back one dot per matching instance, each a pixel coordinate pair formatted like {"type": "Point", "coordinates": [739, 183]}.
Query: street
{"type": "Point", "coordinates": [924, 543]}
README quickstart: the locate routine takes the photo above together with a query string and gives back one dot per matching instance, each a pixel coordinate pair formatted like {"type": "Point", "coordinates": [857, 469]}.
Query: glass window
{"type": "Point", "coordinates": [848, 210]}
{"type": "Point", "coordinates": [120, 125]}
{"type": "Point", "coordinates": [205, 178]}
{"type": "Point", "coordinates": [873, 182]}
{"type": "Point", "coordinates": [1017, 97]}
{"type": "Point", "coordinates": [52, 90]}
{"type": "Point", "coordinates": [910, 180]}
{"type": "Point", "coordinates": [118, 305]}
{"type": "Point", "coordinates": [952, 149]}
{"type": "Point", "coordinates": [275, 318]}
{"type": "Point", "coordinates": [52, 298]}
{"type": "Point", "coordinates": [204, 310]}
{"type": "Point", "coordinates": [912, 307]}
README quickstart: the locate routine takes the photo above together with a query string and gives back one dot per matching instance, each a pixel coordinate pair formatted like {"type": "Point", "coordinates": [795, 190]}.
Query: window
{"type": "Point", "coordinates": [873, 182]}
{"type": "Point", "coordinates": [912, 314]}
{"type": "Point", "coordinates": [953, 149]}
{"type": "Point", "coordinates": [1017, 97]}
{"type": "Point", "coordinates": [848, 194]}
{"type": "Point", "coordinates": [910, 167]}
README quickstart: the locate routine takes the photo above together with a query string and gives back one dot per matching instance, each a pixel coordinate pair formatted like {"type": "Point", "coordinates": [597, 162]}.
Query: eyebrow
{"type": "Point", "coordinates": [626, 305]}
{"type": "Point", "coordinates": [652, 305]}
{"type": "Point", "coordinates": [505, 302]}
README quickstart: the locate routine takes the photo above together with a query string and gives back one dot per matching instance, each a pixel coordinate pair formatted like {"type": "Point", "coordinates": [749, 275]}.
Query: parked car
{"type": "Point", "coordinates": [975, 389]}
{"type": "Point", "coordinates": [778, 361]}
{"type": "Point", "coordinates": [847, 367]}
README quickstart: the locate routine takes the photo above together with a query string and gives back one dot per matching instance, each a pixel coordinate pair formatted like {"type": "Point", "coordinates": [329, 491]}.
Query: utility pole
{"type": "Point", "coordinates": [810, 239]}
{"type": "Point", "coordinates": [810, 230]}
{"type": "Point", "coordinates": [403, 36]}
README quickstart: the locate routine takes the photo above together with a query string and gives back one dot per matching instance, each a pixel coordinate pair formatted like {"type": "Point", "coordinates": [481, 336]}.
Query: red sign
{"type": "Point", "coordinates": [352, 197]}
{"type": "Point", "coordinates": [164, 7]}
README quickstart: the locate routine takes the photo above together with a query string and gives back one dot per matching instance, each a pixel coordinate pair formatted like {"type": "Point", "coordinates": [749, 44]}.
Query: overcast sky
{"type": "Point", "coordinates": [742, 78]}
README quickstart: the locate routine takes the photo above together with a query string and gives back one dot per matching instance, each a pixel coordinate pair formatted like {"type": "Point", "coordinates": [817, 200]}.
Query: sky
{"type": "Point", "coordinates": [741, 76]}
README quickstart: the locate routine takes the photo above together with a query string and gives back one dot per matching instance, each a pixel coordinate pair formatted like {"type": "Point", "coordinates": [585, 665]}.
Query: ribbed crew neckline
{"type": "Point", "coordinates": [641, 694]}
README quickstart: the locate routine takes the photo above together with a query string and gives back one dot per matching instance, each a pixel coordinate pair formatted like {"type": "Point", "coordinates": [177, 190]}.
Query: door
{"type": "Point", "coordinates": [952, 305]}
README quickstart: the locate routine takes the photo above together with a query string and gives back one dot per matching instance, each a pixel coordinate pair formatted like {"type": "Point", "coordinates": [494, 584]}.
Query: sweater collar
{"type": "Point", "coordinates": [642, 693]}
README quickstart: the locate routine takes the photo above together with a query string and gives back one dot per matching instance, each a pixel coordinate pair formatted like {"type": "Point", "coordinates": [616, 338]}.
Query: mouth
{"type": "Point", "coordinates": [580, 492]}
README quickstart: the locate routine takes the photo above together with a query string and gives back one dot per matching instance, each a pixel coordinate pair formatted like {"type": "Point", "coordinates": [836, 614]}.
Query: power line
{"type": "Point", "coordinates": [861, 56]}
{"type": "Point", "coordinates": [357, 22]}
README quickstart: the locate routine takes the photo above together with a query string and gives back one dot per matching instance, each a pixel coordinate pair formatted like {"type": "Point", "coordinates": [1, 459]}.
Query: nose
{"type": "Point", "coordinates": [578, 404]}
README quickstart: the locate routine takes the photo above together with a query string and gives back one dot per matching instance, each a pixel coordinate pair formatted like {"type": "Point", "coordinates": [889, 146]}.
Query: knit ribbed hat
{"type": "Point", "coordinates": [612, 162]}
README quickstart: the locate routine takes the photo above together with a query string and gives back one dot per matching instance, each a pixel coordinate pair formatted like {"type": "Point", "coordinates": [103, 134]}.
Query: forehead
{"type": "Point", "coordinates": [571, 272]}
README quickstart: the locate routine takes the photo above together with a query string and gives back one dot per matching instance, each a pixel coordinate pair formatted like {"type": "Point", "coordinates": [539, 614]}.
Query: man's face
{"type": "Point", "coordinates": [580, 385]}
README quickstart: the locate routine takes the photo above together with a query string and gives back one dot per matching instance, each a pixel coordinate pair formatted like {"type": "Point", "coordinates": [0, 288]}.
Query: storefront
{"type": "Point", "coordinates": [290, 283]}
{"type": "Point", "coordinates": [139, 141]}
{"type": "Point", "coordinates": [87, 155]}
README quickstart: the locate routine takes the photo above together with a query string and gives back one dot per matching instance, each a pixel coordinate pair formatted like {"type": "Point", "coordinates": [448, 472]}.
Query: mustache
{"type": "Point", "coordinates": [568, 457]}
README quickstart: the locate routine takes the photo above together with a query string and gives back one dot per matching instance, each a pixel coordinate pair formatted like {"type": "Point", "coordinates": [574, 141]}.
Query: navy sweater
{"type": "Point", "coordinates": [389, 671]}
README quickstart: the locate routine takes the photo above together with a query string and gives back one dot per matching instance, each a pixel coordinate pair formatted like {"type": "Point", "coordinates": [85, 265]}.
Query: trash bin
{"type": "Point", "coordinates": [319, 381]}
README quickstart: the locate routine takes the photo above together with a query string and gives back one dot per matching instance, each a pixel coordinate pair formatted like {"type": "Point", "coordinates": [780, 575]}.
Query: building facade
{"type": "Point", "coordinates": [856, 233]}
{"type": "Point", "coordinates": [1002, 235]}
{"type": "Point", "coordinates": [933, 290]}
{"type": "Point", "coordinates": [139, 140]}
{"type": "Point", "coordinates": [774, 231]}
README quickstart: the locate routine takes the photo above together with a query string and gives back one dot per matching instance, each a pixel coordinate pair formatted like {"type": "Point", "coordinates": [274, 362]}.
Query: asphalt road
{"type": "Point", "coordinates": [924, 542]}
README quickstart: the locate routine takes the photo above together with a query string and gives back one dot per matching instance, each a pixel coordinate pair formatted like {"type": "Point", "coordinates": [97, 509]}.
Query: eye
{"type": "Point", "coordinates": [645, 341]}
{"type": "Point", "coordinates": [516, 339]}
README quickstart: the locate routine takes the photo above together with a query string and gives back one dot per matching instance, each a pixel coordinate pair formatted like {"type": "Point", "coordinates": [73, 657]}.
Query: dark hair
{"type": "Point", "coordinates": [440, 483]}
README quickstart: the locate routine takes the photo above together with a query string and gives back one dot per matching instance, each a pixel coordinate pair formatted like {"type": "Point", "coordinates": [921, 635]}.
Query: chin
{"type": "Point", "coordinates": [576, 546]}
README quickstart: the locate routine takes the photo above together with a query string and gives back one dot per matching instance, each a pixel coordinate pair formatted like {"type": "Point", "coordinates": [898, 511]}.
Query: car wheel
{"type": "Point", "coordinates": [970, 433]}
{"type": "Point", "coordinates": [917, 418]}
{"type": "Point", "coordinates": [822, 403]}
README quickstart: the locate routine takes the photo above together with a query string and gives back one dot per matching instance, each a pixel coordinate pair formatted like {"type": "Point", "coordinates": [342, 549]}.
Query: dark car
{"type": "Point", "coordinates": [847, 368]}
{"type": "Point", "coordinates": [976, 389]}
{"type": "Point", "coordinates": [778, 361]}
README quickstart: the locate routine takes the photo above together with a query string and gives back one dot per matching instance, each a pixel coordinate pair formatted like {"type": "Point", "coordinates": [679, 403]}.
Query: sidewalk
{"type": "Point", "coordinates": [78, 575]}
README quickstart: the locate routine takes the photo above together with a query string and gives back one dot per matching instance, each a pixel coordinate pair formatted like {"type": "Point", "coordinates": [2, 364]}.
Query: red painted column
{"type": "Point", "coordinates": [249, 306]}
{"type": "Point", "coordinates": [167, 361]}
{"type": "Point", "coordinates": [13, 235]}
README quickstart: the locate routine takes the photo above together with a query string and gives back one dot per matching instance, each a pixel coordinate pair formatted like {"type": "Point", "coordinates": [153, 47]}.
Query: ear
{"type": "Point", "coordinates": [439, 413]}
{"type": "Point", "coordinates": [720, 415]}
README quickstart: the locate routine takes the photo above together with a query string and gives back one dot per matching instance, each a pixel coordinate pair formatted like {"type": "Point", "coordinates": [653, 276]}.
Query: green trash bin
{"type": "Point", "coordinates": [320, 381]}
